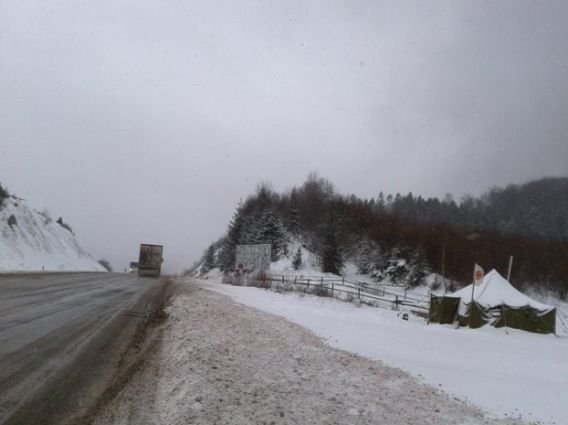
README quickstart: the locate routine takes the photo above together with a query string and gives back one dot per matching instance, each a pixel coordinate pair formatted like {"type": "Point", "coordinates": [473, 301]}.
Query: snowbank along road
{"type": "Point", "coordinates": [219, 362]}
{"type": "Point", "coordinates": [64, 338]}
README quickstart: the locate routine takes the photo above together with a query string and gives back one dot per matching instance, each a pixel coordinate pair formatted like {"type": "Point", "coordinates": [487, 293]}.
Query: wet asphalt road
{"type": "Point", "coordinates": [48, 320]}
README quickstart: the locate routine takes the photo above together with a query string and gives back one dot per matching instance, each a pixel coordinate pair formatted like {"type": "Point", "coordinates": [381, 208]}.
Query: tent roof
{"type": "Point", "coordinates": [495, 291]}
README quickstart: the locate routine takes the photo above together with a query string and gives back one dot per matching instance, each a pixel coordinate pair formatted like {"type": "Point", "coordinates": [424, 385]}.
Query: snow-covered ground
{"type": "Point", "coordinates": [32, 241]}
{"type": "Point", "coordinates": [310, 262]}
{"type": "Point", "coordinates": [215, 361]}
{"type": "Point", "coordinates": [509, 373]}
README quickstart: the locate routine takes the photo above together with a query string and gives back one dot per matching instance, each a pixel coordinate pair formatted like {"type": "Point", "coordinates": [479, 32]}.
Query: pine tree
{"type": "Point", "coordinates": [209, 262]}
{"type": "Point", "coordinates": [381, 203]}
{"type": "Point", "coordinates": [363, 259]}
{"type": "Point", "coordinates": [272, 232]}
{"type": "Point", "coordinates": [252, 230]}
{"type": "Point", "coordinates": [227, 254]}
{"type": "Point", "coordinates": [332, 261]}
{"type": "Point", "coordinates": [418, 268]}
{"type": "Point", "coordinates": [377, 260]}
{"type": "Point", "coordinates": [396, 266]}
{"type": "Point", "coordinates": [293, 214]}
{"type": "Point", "coordinates": [297, 261]}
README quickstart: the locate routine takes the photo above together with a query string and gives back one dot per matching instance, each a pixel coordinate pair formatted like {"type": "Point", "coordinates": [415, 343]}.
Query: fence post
{"type": "Point", "coordinates": [396, 301]}
{"type": "Point", "coordinates": [321, 282]}
{"type": "Point", "coordinates": [359, 292]}
{"type": "Point", "coordinates": [332, 289]}
{"type": "Point", "coordinates": [308, 283]}
{"type": "Point", "coordinates": [295, 277]}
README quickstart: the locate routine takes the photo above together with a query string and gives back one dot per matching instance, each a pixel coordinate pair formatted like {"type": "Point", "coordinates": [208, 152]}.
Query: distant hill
{"type": "Point", "coordinates": [33, 241]}
{"type": "Point", "coordinates": [404, 238]}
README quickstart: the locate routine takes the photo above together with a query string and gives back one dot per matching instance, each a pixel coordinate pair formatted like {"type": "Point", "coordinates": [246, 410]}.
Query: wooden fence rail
{"type": "Point", "coordinates": [342, 288]}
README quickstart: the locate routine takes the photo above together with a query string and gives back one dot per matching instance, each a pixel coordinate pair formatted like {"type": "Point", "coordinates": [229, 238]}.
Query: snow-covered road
{"type": "Point", "coordinates": [224, 363]}
{"type": "Point", "coordinates": [47, 324]}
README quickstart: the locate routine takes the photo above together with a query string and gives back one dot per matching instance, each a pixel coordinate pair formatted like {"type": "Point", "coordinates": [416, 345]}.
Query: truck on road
{"type": "Point", "coordinates": [150, 261]}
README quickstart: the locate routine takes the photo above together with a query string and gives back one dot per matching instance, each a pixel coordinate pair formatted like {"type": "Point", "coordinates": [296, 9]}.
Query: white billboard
{"type": "Point", "coordinates": [252, 257]}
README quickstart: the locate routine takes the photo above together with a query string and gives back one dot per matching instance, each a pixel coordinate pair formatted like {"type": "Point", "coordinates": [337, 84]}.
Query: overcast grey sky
{"type": "Point", "coordinates": [147, 121]}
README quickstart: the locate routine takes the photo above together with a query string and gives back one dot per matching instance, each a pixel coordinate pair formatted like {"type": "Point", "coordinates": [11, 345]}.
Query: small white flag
{"type": "Point", "coordinates": [478, 274]}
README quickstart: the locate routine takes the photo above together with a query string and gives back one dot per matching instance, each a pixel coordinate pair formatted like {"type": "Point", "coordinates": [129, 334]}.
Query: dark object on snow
{"type": "Point", "coordinates": [3, 195]}
{"type": "Point", "coordinates": [64, 225]}
{"type": "Point", "coordinates": [12, 221]}
{"type": "Point", "coordinates": [106, 264]}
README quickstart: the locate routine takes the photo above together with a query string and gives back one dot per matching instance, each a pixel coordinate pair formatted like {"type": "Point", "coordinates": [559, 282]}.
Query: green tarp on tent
{"type": "Point", "coordinates": [443, 309]}
{"type": "Point", "coordinates": [527, 319]}
{"type": "Point", "coordinates": [474, 316]}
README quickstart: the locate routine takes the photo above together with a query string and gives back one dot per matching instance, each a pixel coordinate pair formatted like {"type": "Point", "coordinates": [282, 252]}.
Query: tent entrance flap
{"type": "Point", "coordinates": [443, 309]}
{"type": "Point", "coordinates": [474, 316]}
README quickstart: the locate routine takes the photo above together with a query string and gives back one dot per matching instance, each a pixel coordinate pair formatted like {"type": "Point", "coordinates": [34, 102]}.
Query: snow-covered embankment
{"type": "Point", "coordinates": [32, 241]}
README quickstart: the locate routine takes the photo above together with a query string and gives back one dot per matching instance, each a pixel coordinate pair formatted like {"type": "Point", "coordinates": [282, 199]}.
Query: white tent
{"type": "Point", "coordinates": [496, 291]}
{"type": "Point", "coordinates": [495, 302]}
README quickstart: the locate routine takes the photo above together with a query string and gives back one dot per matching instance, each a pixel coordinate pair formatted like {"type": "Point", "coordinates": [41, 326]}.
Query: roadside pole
{"type": "Point", "coordinates": [510, 268]}
{"type": "Point", "coordinates": [444, 268]}
{"type": "Point", "coordinates": [478, 273]}
{"type": "Point", "coordinates": [471, 305]}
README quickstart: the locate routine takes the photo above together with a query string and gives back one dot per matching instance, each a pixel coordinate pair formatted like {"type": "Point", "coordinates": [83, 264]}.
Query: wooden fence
{"type": "Point", "coordinates": [350, 290]}
{"type": "Point", "coordinates": [339, 287]}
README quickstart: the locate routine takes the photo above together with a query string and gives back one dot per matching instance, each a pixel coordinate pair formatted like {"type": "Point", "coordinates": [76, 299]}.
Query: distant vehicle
{"type": "Point", "coordinates": [132, 267]}
{"type": "Point", "coordinates": [150, 261]}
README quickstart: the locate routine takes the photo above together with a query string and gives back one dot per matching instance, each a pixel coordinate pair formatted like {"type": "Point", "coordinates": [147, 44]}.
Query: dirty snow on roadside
{"type": "Point", "coordinates": [220, 362]}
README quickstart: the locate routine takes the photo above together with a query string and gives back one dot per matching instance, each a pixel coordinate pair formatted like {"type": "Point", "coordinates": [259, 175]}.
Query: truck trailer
{"type": "Point", "coordinates": [150, 261]}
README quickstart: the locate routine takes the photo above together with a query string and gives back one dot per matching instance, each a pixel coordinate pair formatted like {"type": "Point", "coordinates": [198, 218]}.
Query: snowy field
{"type": "Point", "coordinates": [508, 373]}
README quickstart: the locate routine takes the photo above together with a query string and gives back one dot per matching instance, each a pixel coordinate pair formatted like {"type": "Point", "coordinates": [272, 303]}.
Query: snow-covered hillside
{"type": "Point", "coordinates": [32, 241]}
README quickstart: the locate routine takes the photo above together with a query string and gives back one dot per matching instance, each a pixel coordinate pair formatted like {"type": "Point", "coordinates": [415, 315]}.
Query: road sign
{"type": "Point", "coordinates": [253, 257]}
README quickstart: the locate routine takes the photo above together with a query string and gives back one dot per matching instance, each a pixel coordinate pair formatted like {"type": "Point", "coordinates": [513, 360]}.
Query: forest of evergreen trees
{"type": "Point", "coordinates": [405, 237]}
